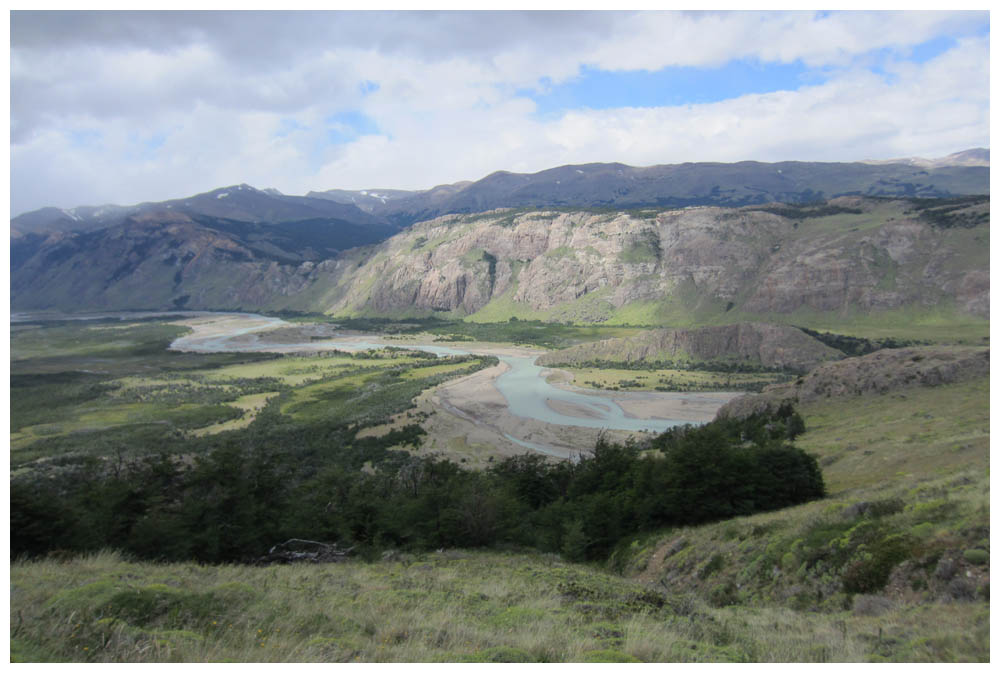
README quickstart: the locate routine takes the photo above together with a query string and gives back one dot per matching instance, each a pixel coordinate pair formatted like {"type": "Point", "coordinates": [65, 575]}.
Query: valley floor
{"type": "Point", "coordinates": [466, 419]}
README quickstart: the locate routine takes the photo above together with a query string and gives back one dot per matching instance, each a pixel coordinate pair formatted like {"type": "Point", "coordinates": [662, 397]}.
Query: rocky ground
{"type": "Point", "coordinates": [879, 373]}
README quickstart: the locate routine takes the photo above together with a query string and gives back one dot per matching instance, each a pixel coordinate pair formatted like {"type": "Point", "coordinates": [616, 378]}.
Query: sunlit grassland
{"type": "Point", "coordinates": [76, 338]}
{"type": "Point", "coordinates": [249, 405]}
{"type": "Point", "coordinates": [943, 324]}
{"type": "Point", "coordinates": [426, 372]}
{"type": "Point", "coordinates": [904, 436]}
{"type": "Point", "coordinates": [849, 223]}
{"type": "Point", "coordinates": [670, 379]}
{"type": "Point", "coordinates": [108, 413]}
{"type": "Point", "coordinates": [139, 395]}
{"type": "Point", "coordinates": [109, 350]}
{"type": "Point", "coordinates": [315, 400]}
{"type": "Point", "coordinates": [373, 391]}
{"type": "Point", "coordinates": [290, 370]}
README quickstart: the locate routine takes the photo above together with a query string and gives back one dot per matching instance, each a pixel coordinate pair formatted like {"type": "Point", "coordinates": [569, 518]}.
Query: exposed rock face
{"type": "Point", "coordinates": [751, 343]}
{"type": "Point", "coordinates": [703, 265]}
{"type": "Point", "coordinates": [868, 256]}
{"type": "Point", "coordinates": [875, 373]}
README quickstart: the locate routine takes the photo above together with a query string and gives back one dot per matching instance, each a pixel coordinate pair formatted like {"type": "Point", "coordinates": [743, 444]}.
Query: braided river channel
{"type": "Point", "coordinates": [523, 385]}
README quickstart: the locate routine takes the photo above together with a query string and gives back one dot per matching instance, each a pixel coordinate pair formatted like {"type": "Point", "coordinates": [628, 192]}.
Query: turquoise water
{"type": "Point", "coordinates": [523, 385]}
{"type": "Point", "coordinates": [527, 393]}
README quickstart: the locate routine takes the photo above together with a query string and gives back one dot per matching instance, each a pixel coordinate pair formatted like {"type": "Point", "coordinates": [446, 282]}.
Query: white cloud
{"type": "Point", "coordinates": [217, 90]}
{"type": "Point", "coordinates": [931, 109]}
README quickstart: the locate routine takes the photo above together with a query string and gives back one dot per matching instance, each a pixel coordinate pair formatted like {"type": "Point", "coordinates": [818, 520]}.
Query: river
{"type": "Point", "coordinates": [523, 385]}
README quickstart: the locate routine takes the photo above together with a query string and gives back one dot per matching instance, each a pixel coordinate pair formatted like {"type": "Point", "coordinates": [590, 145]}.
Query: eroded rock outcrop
{"type": "Point", "coordinates": [876, 373]}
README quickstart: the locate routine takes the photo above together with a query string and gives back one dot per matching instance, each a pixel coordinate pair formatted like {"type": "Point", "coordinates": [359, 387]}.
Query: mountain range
{"type": "Point", "coordinates": [691, 184]}
{"type": "Point", "coordinates": [587, 185]}
{"type": "Point", "coordinates": [597, 242]}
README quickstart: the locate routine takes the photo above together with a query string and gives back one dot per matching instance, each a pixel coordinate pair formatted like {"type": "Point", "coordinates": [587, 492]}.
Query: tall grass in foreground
{"type": "Point", "coordinates": [438, 607]}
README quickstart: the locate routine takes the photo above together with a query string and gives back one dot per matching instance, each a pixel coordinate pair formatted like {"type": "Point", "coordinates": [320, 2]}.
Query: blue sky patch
{"type": "Point", "coordinates": [922, 53]}
{"type": "Point", "coordinates": [144, 147]}
{"type": "Point", "coordinates": [349, 125]}
{"type": "Point", "coordinates": [600, 89]}
{"type": "Point", "coordinates": [155, 141]}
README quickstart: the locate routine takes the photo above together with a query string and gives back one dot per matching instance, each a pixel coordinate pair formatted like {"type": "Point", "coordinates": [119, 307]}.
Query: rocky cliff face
{"type": "Point", "coordinates": [851, 255]}
{"type": "Point", "coordinates": [749, 343]}
{"type": "Point", "coordinates": [701, 265]}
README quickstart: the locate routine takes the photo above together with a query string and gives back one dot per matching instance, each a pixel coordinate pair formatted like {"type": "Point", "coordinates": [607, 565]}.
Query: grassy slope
{"type": "Point", "coordinates": [921, 460]}
{"type": "Point", "coordinates": [760, 588]}
{"type": "Point", "coordinates": [453, 606]}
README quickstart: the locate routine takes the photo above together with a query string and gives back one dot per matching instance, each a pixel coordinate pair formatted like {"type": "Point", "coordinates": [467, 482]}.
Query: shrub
{"type": "Point", "coordinates": [714, 564]}
{"type": "Point", "coordinates": [870, 574]}
{"type": "Point", "coordinates": [977, 556]}
{"type": "Point", "coordinates": [722, 595]}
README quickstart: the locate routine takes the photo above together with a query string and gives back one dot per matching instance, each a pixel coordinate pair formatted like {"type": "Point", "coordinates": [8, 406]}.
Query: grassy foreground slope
{"type": "Point", "coordinates": [892, 566]}
{"type": "Point", "coordinates": [899, 548]}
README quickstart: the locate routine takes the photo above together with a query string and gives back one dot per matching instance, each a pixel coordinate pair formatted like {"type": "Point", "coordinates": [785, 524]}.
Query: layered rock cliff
{"type": "Point", "coordinates": [851, 255]}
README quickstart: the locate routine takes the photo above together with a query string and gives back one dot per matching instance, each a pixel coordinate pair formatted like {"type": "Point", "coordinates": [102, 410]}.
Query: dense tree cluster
{"type": "Point", "coordinates": [282, 481]}
{"type": "Point", "coordinates": [858, 346]}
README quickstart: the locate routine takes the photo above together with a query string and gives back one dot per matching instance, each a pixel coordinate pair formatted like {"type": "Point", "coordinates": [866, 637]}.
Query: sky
{"type": "Point", "coordinates": [126, 107]}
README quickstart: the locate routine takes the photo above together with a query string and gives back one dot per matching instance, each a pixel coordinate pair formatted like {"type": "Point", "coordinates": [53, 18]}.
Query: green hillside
{"type": "Point", "coordinates": [891, 565]}
{"type": "Point", "coordinates": [908, 496]}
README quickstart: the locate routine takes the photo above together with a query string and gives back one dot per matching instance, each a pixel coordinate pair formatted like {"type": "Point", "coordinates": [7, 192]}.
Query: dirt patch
{"type": "Point", "coordinates": [687, 407]}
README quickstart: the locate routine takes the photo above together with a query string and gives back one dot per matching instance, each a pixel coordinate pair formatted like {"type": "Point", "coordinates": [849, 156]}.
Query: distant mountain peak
{"type": "Point", "coordinates": [978, 156]}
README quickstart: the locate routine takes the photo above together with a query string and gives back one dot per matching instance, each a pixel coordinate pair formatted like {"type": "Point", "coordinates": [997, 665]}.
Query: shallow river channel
{"type": "Point", "coordinates": [523, 385]}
